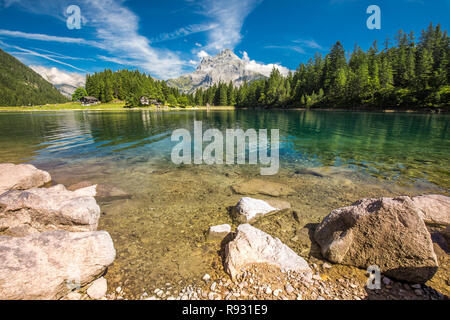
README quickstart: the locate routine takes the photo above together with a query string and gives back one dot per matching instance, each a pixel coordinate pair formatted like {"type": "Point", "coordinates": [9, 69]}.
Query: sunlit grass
{"type": "Point", "coordinates": [116, 105]}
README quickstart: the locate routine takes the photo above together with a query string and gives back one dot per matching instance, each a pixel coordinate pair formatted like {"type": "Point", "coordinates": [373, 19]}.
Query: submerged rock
{"type": "Point", "coordinates": [51, 264]}
{"type": "Point", "coordinates": [219, 232]}
{"type": "Point", "coordinates": [258, 186]}
{"type": "Point", "coordinates": [385, 232]}
{"type": "Point", "coordinates": [253, 246]}
{"type": "Point", "coordinates": [434, 209]}
{"type": "Point", "coordinates": [249, 209]}
{"type": "Point", "coordinates": [21, 177]}
{"type": "Point", "coordinates": [38, 210]}
{"type": "Point", "coordinates": [104, 191]}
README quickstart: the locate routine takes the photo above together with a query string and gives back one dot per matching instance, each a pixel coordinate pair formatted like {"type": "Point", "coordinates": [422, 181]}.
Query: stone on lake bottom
{"type": "Point", "coordinates": [219, 232]}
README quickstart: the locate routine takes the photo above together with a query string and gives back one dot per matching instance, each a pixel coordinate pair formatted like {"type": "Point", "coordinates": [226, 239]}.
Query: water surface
{"type": "Point", "coordinates": [330, 158]}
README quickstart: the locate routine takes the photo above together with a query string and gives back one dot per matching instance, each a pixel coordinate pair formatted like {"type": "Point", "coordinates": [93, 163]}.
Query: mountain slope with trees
{"type": "Point", "coordinates": [409, 74]}
{"type": "Point", "coordinates": [21, 86]}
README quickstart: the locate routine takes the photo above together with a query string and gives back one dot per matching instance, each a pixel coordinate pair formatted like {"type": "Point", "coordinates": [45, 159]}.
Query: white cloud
{"type": "Point", "coordinates": [37, 54]}
{"type": "Point", "coordinates": [264, 69]}
{"type": "Point", "coordinates": [117, 32]}
{"type": "Point", "coordinates": [202, 54]}
{"type": "Point", "coordinates": [230, 16]}
{"type": "Point", "coordinates": [312, 44]}
{"type": "Point", "coordinates": [59, 77]}
{"type": "Point", "coordinates": [198, 44]}
{"type": "Point", "coordinates": [48, 38]}
{"type": "Point", "coordinates": [185, 31]}
{"type": "Point", "coordinates": [293, 48]}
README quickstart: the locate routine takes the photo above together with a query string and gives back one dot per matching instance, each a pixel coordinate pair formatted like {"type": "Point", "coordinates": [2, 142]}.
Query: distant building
{"type": "Point", "coordinates": [144, 101]}
{"type": "Point", "coordinates": [89, 101]}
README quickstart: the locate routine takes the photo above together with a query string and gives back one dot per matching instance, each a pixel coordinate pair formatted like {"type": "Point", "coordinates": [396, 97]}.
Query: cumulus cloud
{"type": "Point", "coordinates": [202, 54]}
{"type": "Point", "coordinates": [230, 16]}
{"type": "Point", "coordinates": [59, 77]}
{"type": "Point", "coordinates": [264, 69]}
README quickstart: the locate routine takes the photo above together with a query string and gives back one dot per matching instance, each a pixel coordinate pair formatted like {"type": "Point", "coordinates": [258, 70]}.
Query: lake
{"type": "Point", "coordinates": [330, 158]}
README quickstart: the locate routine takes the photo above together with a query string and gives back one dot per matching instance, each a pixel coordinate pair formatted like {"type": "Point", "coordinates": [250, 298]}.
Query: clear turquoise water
{"type": "Point", "coordinates": [330, 159]}
{"type": "Point", "coordinates": [402, 147]}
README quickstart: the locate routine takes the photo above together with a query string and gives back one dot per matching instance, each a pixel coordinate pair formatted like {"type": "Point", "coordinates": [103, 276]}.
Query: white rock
{"type": "Point", "coordinates": [248, 209]}
{"type": "Point", "coordinates": [211, 295]}
{"type": "Point", "coordinates": [433, 209]}
{"type": "Point", "coordinates": [75, 296]}
{"type": "Point", "coordinates": [21, 177]}
{"type": "Point", "coordinates": [219, 232]}
{"type": "Point", "coordinates": [289, 289]}
{"type": "Point", "coordinates": [268, 290]}
{"type": "Point", "coordinates": [206, 277]}
{"type": "Point", "coordinates": [50, 265]}
{"type": "Point", "coordinates": [277, 292]}
{"type": "Point", "coordinates": [253, 246]}
{"type": "Point", "coordinates": [213, 286]}
{"type": "Point", "coordinates": [38, 210]}
{"type": "Point", "coordinates": [97, 289]}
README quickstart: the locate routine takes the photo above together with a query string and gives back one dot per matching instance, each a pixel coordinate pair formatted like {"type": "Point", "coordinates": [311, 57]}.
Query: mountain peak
{"type": "Point", "coordinates": [226, 66]}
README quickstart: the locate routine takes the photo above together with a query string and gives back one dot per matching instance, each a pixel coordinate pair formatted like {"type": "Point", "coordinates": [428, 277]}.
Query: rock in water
{"type": "Point", "coordinates": [98, 289]}
{"type": "Point", "coordinates": [249, 209]}
{"type": "Point", "coordinates": [258, 186]}
{"type": "Point", "coordinates": [105, 192]}
{"type": "Point", "coordinates": [219, 232]}
{"type": "Point", "coordinates": [38, 210]}
{"type": "Point", "coordinates": [385, 232]}
{"type": "Point", "coordinates": [434, 209]}
{"type": "Point", "coordinates": [51, 264]}
{"type": "Point", "coordinates": [253, 246]}
{"type": "Point", "coordinates": [21, 177]}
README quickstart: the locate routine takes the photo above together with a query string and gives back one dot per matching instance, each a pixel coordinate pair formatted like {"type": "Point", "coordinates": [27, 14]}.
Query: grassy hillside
{"type": "Point", "coordinates": [19, 85]}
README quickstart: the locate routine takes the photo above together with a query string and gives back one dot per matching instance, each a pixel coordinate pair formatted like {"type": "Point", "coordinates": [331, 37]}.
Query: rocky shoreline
{"type": "Point", "coordinates": [42, 226]}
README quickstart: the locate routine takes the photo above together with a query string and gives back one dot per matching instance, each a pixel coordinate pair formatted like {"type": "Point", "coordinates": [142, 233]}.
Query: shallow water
{"type": "Point", "coordinates": [329, 158]}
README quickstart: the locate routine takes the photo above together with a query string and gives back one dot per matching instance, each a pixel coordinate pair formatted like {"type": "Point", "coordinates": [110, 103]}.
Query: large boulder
{"type": "Point", "coordinates": [434, 209]}
{"type": "Point", "coordinates": [49, 265]}
{"type": "Point", "coordinates": [249, 209]}
{"type": "Point", "coordinates": [389, 233]}
{"type": "Point", "coordinates": [40, 209]}
{"type": "Point", "coordinates": [21, 177]}
{"type": "Point", "coordinates": [253, 246]}
{"type": "Point", "coordinates": [258, 186]}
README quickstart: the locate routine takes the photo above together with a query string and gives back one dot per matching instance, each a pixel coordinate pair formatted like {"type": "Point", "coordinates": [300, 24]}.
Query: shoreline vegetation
{"type": "Point", "coordinates": [121, 106]}
{"type": "Point", "coordinates": [403, 74]}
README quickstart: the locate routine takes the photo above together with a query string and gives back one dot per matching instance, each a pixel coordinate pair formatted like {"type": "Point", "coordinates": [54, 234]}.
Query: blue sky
{"type": "Point", "coordinates": [168, 38]}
